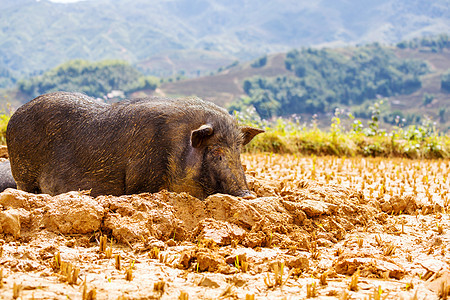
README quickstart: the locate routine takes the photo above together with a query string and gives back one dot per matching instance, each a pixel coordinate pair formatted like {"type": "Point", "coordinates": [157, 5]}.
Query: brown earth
{"type": "Point", "coordinates": [318, 227]}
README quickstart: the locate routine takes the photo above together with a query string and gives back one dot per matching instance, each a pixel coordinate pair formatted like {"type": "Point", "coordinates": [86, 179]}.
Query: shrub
{"type": "Point", "coordinates": [260, 62]}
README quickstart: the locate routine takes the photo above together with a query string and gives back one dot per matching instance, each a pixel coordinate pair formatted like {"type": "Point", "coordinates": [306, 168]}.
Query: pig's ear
{"type": "Point", "coordinates": [200, 136]}
{"type": "Point", "coordinates": [249, 133]}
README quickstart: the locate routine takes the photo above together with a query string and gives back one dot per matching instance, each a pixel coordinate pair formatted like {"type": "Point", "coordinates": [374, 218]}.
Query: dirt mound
{"type": "Point", "coordinates": [221, 218]}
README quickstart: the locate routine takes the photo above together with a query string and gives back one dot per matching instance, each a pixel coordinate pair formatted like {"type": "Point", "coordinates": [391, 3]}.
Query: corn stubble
{"type": "Point", "coordinates": [396, 178]}
{"type": "Point", "coordinates": [378, 180]}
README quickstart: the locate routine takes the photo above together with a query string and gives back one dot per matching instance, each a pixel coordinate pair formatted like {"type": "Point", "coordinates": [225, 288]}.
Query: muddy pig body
{"type": "Point", "coordinates": [62, 142]}
{"type": "Point", "coordinates": [6, 178]}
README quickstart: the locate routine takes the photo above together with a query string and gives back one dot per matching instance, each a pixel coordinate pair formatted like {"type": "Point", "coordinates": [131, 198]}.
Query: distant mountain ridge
{"type": "Point", "coordinates": [38, 35]}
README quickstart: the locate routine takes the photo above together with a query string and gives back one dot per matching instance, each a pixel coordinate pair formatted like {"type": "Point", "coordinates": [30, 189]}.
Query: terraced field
{"type": "Point", "coordinates": [325, 227]}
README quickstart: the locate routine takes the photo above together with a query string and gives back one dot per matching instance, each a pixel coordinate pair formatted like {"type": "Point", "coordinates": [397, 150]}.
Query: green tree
{"type": "Point", "coordinates": [445, 81]}
{"type": "Point", "coordinates": [260, 62]}
{"type": "Point", "coordinates": [427, 99]}
{"type": "Point", "coordinates": [442, 113]}
{"type": "Point", "coordinates": [435, 43]}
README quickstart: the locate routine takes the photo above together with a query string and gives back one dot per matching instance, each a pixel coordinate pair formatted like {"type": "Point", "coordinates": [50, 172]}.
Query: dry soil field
{"type": "Point", "coordinates": [324, 227]}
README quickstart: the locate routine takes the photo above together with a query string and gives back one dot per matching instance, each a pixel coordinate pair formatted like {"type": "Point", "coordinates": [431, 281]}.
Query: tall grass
{"type": "Point", "coordinates": [290, 136]}
{"type": "Point", "coordinates": [4, 119]}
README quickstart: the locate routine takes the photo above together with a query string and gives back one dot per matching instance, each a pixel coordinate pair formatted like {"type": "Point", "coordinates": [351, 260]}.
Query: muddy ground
{"type": "Point", "coordinates": [318, 227]}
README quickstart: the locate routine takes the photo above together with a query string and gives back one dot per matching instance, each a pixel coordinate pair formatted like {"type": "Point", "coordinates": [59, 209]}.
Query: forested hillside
{"type": "Point", "coordinates": [328, 78]}
{"type": "Point", "coordinates": [413, 77]}
{"type": "Point", "coordinates": [94, 79]}
{"type": "Point", "coordinates": [413, 81]}
{"type": "Point", "coordinates": [197, 36]}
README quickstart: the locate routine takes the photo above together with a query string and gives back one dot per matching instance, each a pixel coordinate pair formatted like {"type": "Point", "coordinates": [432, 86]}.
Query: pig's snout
{"type": "Point", "coordinates": [246, 194]}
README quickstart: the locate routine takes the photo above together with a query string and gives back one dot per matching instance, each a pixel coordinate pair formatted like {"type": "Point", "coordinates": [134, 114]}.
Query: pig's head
{"type": "Point", "coordinates": [220, 147]}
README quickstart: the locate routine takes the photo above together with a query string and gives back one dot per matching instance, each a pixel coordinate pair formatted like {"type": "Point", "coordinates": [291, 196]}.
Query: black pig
{"type": "Point", "coordinates": [61, 142]}
{"type": "Point", "coordinates": [6, 178]}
